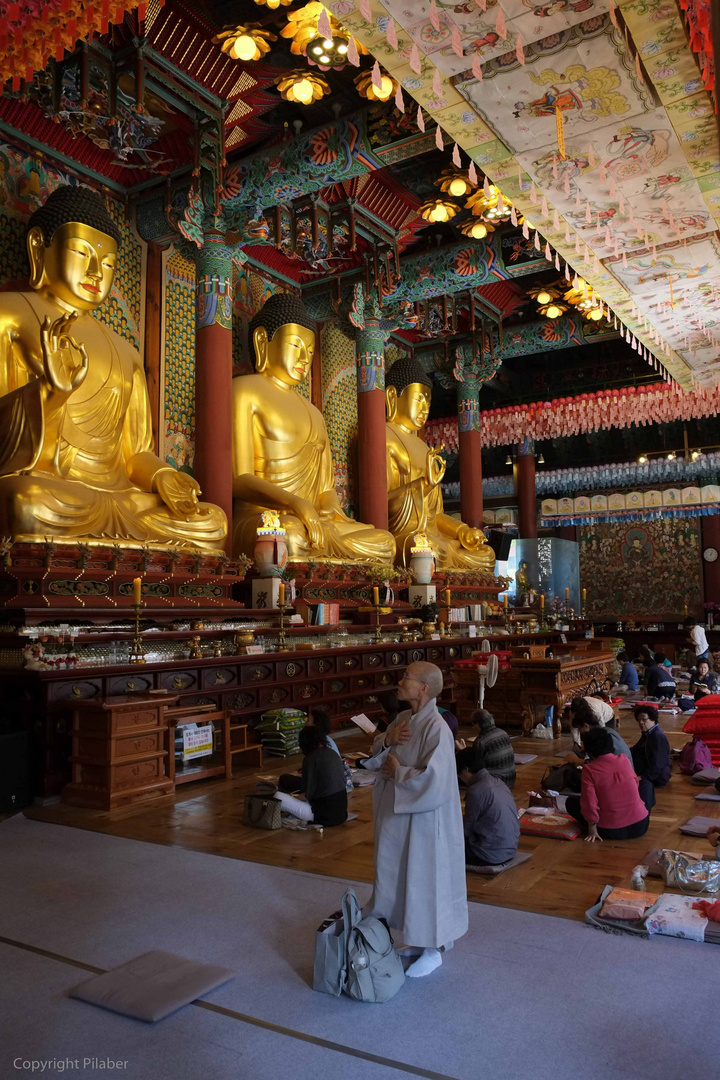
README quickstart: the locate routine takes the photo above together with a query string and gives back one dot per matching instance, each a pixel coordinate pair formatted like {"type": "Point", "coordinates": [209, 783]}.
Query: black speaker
{"type": "Point", "coordinates": [14, 770]}
{"type": "Point", "coordinates": [500, 542]}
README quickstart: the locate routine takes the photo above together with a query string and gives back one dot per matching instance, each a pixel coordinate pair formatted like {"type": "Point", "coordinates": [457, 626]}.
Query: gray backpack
{"type": "Point", "coordinates": [373, 969]}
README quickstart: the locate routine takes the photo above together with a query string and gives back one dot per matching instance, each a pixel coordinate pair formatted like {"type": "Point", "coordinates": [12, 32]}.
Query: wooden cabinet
{"type": "Point", "coordinates": [119, 751]}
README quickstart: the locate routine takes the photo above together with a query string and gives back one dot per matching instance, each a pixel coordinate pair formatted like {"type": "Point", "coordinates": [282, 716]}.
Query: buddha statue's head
{"type": "Point", "coordinates": [282, 339]}
{"type": "Point", "coordinates": [408, 392]}
{"type": "Point", "coordinates": [72, 244]}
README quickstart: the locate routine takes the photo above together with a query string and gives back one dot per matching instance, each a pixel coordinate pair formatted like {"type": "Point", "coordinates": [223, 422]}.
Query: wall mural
{"type": "Point", "coordinates": [25, 182]}
{"type": "Point", "coordinates": [339, 408]}
{"type": "Point", "coordinates": [652, 568]}
{"type": "Point", "coordinates": [179, 368]}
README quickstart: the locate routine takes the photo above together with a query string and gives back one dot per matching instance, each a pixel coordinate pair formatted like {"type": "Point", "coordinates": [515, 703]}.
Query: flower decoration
{"type": "Point", "coordinates": [308, 39]}
{"type": "Point", "coordinates": [439, 209]}
{"type": "Point", "coordinates": [421, 545]}
{"type": "Point", "coordinates": [302, 86]}
{"type": "Point", "coordinates": [456, 182]}
{"type": "Point", "coordinates": [270, 524]}
{"type": "Point", "coordinates": [245, 42]}
{"type": "Point", "coordinates": [367, 88]}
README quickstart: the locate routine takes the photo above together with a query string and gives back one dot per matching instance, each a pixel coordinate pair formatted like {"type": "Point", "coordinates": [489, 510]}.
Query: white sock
{"type": "Point", "coordinates": [428, 960]}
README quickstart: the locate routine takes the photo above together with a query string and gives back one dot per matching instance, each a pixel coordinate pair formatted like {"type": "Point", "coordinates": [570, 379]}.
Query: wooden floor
{"type": "Point", "coordinates": [562, 878]}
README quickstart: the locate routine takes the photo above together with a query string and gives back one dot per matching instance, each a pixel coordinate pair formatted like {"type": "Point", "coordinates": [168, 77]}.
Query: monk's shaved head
{"type": "Point", "coordinates": [427, 673]}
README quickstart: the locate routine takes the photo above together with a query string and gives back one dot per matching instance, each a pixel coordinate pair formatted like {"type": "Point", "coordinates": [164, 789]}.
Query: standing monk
{"type": "Point", "coordinates": [419, 845]}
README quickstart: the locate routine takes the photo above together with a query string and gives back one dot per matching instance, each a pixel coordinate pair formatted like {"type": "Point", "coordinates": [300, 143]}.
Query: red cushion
{"type": "Point", "coordinates": [708, 701]}
{"type": "Point", "coordinates": [557, 826]}
{"type": "Point", "coordinates": [702, 725]}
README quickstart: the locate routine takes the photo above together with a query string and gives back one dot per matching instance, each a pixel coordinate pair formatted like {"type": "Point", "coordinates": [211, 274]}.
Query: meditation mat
{"type": "Point", "coordinates": [152, 986]}
{"type": "Point", "coordinates": [698, 826]}
{"type": "Point", "coordinates": [524, 759]}
{"type": "Point", "coordinates": [708, 796]}
{"type": "Point", "coordinates": [517, 860]}
{"type": "Point", "coordinates": [706, 776]}
{"type": "Point", "coordinates": [556, 826]}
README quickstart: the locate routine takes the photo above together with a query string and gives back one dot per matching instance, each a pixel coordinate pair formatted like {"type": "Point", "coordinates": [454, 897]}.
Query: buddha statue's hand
{"type": "Point", "coordinates": [65, 363]}
{"type": "Point", "coordinates": [180, 493]}
{"type": "Point", "coordinates": [311, 520]}
{"type": "Point", "coordinates": [434, 467]}
{"type": "Point", "coordinates": [470, 538]}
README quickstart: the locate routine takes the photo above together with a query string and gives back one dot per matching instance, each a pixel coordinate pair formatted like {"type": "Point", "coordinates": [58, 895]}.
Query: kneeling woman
{"type": "Point", "coordinates": [322, 783]}
{"type": "Point", "coordinates": [609, 800]}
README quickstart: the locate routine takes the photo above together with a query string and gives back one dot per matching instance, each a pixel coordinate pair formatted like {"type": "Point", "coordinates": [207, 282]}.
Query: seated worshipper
{"type": "Point", "coordinates": [319, 718]}
{"type": "Point", "coordinates": [390, 705]}
{"type": "Point", "coordinates": [322, 782]}
{"type": "Point", "coordinates": [609, 801]}
{"type": "Point", "coordinates": [583, 719]}
{"type": "Point", "coordinates": [419, 846]}
{"type": "Point", "coordinates": [651, 754]}
{"type": "Point", "coordinates": [601, 709]}
{"type": "Point", "coordinates": [490, 823]}
{"type": "Point", "coordinates": [450, 719]}
{"type": "Point", "coordinates": [628, 672]}
{"type": "Point", "coordinates": [697, 639]}
{"type": "Point", "coordinates": [660, 683]}
{"type": "Point", "coordinates": [497, 750]}
{"type": "Point", "coordinates": [703, 682]}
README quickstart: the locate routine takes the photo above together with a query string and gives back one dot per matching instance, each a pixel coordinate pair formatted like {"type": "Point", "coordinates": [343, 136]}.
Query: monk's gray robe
{"type": "Point", "coordinates": [419, 844]}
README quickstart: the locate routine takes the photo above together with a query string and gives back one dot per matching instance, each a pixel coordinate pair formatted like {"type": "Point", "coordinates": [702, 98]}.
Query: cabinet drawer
{"type": "Point", "coordinates": [139, 744]}
{"type": "Point", "coordinates": [131, 719]}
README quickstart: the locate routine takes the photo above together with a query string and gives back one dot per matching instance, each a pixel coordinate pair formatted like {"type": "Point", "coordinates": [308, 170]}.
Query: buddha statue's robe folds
{"type": "Point", "coordinates": [83, 468]}
{"type": "Point", "coordinates": [281, 451]}
{"type": "Point", "coordinates": [414, 473]}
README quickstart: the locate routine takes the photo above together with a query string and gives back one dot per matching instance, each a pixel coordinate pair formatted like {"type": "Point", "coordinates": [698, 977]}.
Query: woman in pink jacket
{"type": "Point", "coordinates": [609, 801]}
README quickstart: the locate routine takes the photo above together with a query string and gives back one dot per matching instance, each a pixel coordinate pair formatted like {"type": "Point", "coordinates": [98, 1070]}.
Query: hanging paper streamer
{"type": "Point", "coordinates": [391, 35]}
{"type": "Point", "coordinates": [364, 6]}
{"type": "Point", "coordinates": [434, 17]}
{"type": "Point", "coordinates": [456, 156]}
{"type": "Point", "coordinates": [560, 129]}
{"type": "Point", "coordinates": [486, 188]}
{"type": "Point", "coordinates": [548, 253]}
{"type": "Point", "coordinates": [557, 261]}
{"type": "Point", "coordinates": [323, 27]}
{"type": "Point", "coordinates": [376, 77]}
{"type": "Point", "coordinates": [525, 230]}
{"type": "Point", "coordinates": [544, 208]}
{"type": "Point", "coordinates": [513, 216]}
{"type": "Point", "coordinates": [352, 53]}
{"type": "Point", "coordinates": [437, 83]}
{"type": "Point", "coordinates": [420, 119]}
{"type": "Point", "coordinates": [556, 221]}
{"type": "Point", "coordinates": [457, 42]}
{"type": "Point", "coordinates": [472, 173]}
{"type": "Point", "coordinates": [477, 67]}
{"type": "Point", "coordinates": [613, 15]}
{"type": "Point", "coordinates": [537, 240]}
{"type": "Point", "coordinates": [500, 27]}
{"type": "Point", "coordinates": [482, 4]}
{"type": "Point", "coordinates": [592, 160]}
{"type": "Point", "coordinates": [399, 100]}
{"type": "Point", "coordinates": [519, 51]}
{"type": "Point", "coordinates": [439, 138]}
{"type": "Point", "coordinates": [415, 60]}
{"type": "Point", "coordinates": [533, 194]}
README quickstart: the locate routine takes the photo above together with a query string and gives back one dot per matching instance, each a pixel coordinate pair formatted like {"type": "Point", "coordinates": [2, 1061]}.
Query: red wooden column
{"type": "Point", "coordinates": [710, 534]}
{"type": "Point", "coordinates": [470, 446]}
{"type": "Point", "coordinates": [524, 477]}
{"type": "Point", "coordinates": [372, 468]}
{"type": "Point", "coordinates": [213, 374]}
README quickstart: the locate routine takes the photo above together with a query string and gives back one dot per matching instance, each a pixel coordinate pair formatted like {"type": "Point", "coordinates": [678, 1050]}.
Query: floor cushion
{"type": "Point", "coordinates": [698, 826]}
{"type": "Point", "coordinates": [556, 826]}
{"type": "Point", "coordinates": [703, 723]}
{"type": "Point", "coordinates": [517, 860]}
{"type": "Point", "coordinates": [151, 986]}
{"type": "Point", "coordinates": [707, 775]}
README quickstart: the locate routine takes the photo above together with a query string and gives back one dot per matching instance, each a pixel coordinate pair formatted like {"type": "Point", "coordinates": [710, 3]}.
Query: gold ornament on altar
{"type": "Point", "coordinates": [77, 461]}
{"type": "Point", "coordinates": [270, 524]}
{"type": "Point", "coordinates": [415, 471]}
{"type": "Point", "coordinates": [302, 86]}
{"type": "Point", "coordinates": [245, 42]}
{"type": "Point", "coordinates": [281, 451]}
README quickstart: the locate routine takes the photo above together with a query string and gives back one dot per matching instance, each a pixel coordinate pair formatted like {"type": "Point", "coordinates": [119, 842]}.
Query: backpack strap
{"type": "Point", "coordinates": [351, 910]}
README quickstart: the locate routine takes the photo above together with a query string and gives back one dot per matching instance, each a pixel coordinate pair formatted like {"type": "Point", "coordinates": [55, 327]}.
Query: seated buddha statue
{"type": "Point", "coordinates": [414, 473]}
{"type": "Point", "coordinates": [281, 451]}
{"type": "Point", "coordinates": [76, 456]}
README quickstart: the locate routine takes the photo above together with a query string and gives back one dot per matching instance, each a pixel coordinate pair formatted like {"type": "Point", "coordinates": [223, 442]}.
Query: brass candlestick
{"type": "Point", "coordinates": [282, 646]}
{"type": "Point", "coordinates": [137, 653]}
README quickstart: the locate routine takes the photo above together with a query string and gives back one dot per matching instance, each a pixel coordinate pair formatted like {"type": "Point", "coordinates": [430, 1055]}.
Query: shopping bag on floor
{"type": "Point", "coordinates": [329, 966]}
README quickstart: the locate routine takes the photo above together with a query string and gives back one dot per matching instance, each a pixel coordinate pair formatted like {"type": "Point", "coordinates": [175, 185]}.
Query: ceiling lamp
{"type": "Point", "coordinates": [642, 460]}
{"type": "Point", "coordinates": [327, 51]}
{"type": "Point", "coordinates": [439, 210]}
{"type": "Point", "coordinates": [476, 228]}
{"type": "Point", "coordinates": [490, 207]}
{"type": "Point", "coordinates": [541, 458]}
{"type": "Point", "coordinates": [274, 4]}
{"type": "Point", "coordinates": [595, 313]}
{"type": "Point", "coordinates": [454, 181]}
{"type": "Point", "coordinates": [671, 457]}
{"type": "Point", "coordinates": [302, 86]}
{"type": "Point", "coordinates": [553, 310]}
{"type": "Point", "coordinates": [367, 88]}
{"type": "Point", "coordinates": [247, 42]}
{"type": "Point", "coordinates": [696, 454]}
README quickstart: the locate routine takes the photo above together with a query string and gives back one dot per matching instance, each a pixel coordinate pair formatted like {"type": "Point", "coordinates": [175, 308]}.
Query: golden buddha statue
{"type": "Point", "coordinates": [76, 460]}
{"type": "Point", "coordinates": [414, 474]}
{"type": "Point", "coordinates": [281, 452]}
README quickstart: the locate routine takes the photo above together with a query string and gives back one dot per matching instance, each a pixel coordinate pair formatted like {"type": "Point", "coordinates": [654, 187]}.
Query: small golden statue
{"type": "Point", "coordinates": [414, 474]}
{"type": "Point", "coordinates": [281, 451]}
{"type": "Point", "coordinates": [76, 457]}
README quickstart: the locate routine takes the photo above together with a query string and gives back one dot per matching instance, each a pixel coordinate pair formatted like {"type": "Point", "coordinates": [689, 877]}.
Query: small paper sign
{"type": "Point", "coordinates": [253, 650]}
{"type": "Point", "coordinates": [472, 630]}
{"type": "Point", "coordinates": [563, 639]}
{"type": "Point", "coordinates": [197, 741]}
